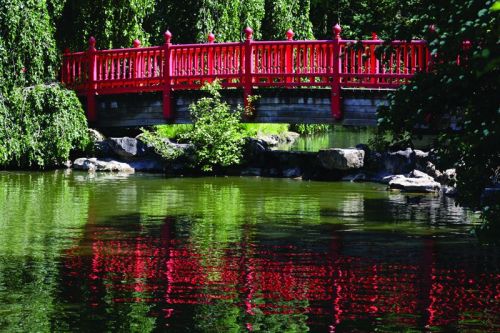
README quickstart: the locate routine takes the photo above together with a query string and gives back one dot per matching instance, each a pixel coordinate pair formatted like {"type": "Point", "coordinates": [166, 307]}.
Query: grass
{"type": "Point", "coordinates": [173, 131]}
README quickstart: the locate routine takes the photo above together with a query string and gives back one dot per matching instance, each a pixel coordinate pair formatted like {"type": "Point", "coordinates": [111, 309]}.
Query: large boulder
{"type": "Point", "coordinates": [94, 164]}
{"type": "Point", "coordinates": [341, 159]}
{"type": "Point", "coordinates": [415, 181]}
{"type": "Point", "coordinates": [127, 148]}
{"type": "Point", "coordinates": [273, 140]}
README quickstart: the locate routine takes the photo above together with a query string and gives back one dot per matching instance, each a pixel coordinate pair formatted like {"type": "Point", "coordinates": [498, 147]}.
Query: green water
{"type": "Point", "coordinates": [144, 253]}
{"type": "Point", "coordinates": [345, 137]}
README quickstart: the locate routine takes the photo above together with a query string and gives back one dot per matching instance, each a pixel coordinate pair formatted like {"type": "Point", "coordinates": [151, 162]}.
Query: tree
{"type": "Point", "coordinates": [461, 94]}
{"type": "Point", "coordinates": [114, 23]}
{"type": "Point", "coordinates": [282, 15]}
{"type": "Point", "coordinates": [228, 19]}
{"type": "Point", "coordinates": [28, 53]}
{"type": "Point", "coordinates": [359, 18]}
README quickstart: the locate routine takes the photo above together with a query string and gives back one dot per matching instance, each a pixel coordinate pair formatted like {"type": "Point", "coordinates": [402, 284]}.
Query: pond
{"type": "Point", "coordinates": [144, 253]}
{"type": "Point", "coordinates": [345, 137]}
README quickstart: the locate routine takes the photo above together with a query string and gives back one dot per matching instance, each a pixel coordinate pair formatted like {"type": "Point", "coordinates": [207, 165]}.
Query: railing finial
{"type": "Point", "coordinates": [92, 43]}
{"type": "Point", "coordinates": [137, 43]}
{"type": "Point", "coordinates": [290, 34]}
{"type": "Point", "coordinates": [248, 33]}
{"type": "Point", "coordinates": [168, 37]}
{"type": "Point", "coordinates": [211, 38]}
{"type": "Point", "coordinates": [374, 36]}
{"type": "Point", "coordinates": [336, 31]}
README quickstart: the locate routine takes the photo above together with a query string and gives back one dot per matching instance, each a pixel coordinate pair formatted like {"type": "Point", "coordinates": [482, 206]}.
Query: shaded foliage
{"type": "Point", "coordinates": [282, 15]}
{"type": "Point", "coordinates": [114, 23]}
{"type": "Point", "coordinates": [459, 100]}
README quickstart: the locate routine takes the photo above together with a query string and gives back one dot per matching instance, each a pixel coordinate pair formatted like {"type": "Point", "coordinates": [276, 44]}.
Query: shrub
{"type": "Point", "coordinates": [160, 144]}
{"type": "Point", "coordinates": [217, 134]}
{"type": "Point", "coordinates": [39, 126]}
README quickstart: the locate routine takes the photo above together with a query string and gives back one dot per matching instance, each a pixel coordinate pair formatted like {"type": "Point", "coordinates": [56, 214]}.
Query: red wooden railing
{"type": "Point", "coordinates": [335, 63]}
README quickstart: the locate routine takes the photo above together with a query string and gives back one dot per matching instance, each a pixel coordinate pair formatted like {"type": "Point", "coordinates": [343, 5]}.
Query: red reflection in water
{"type": "Point", "coordinates": [286, 280]}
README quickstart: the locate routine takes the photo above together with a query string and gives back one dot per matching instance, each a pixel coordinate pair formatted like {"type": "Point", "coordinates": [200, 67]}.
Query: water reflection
{"type": "Point", "coordinates": [146, 254]}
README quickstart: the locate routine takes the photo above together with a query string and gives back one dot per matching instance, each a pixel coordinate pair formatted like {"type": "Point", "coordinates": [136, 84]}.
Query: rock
{"type": "Point", "coordinates": [431, 170]}
{"type": "Point", "coordinates": [255, 172]}
{"type": "Point", "coordinates": [270, 139]}
{"type": "Point", "coordinates": [254, 149]}
{"type": "Point", "coordinates": [148, 165]}
{"type": "Point", "coordinates": [398, 162]}
{"type": "Point", "coordinates": [128, 148]}
{"type": "Point", "coordinates": [419, 174]}
{"type": "Point", "coordinates": [341, 159]}
{"type": "Point", "coordinates": [273, 140]}
{"type": "Point", "coordinates": [95, 136]}
{"type": "Point", "coordinates": [290, 137]}
{"type": "Point", "coordinates": [292, 173]}
{"type": "Point", "coordinates": [448, 177]}
{"type": "Point", "coordinates": [449, 191]}
{"type": "Point", "coordinates": [415, 181]}
{"type": "Point", "coordinates": [94, 164]}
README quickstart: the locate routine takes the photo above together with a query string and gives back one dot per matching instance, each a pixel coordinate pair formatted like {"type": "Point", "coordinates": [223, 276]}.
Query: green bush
{"type": "Point", "coordinates": [160, 144]}
{"type": "Point", "coordinates": [217, 134]}
{"type": "Point", "coordinates": [39, 126]}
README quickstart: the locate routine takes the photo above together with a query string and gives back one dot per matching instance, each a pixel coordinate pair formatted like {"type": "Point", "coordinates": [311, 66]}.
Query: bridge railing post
{"type": "Point", "coordinates": [167, 76]}
{"type": "Point", "coordinates": [210, 56]}
{"type": "Point", "coordinates": [289, 56]}
{"type": "Point", "coordinates": [92, 78]}
{"type": "Point", "coordinates": [335, 66]}
{"type": "Point", "coordinates": [137, 61]}
{"type": "Point", "coordinates": [374, 63]}
{"type": "Point", "coordinates": [247, 84]}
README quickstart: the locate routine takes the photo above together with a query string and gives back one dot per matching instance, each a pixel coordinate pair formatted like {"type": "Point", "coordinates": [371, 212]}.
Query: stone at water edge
{"type": "Point", "coordinates": [341, 159]}
{"type": "Point", "coordinates": [94, 164]}
{"type": "Point", "coordinates": [127, 148]}
{"type": "Point", "coordinates": [292, 173]}
{"type": "Point", "coordinates": [95, 135]}
{"type": "Point", "coordinates": [415, 181]}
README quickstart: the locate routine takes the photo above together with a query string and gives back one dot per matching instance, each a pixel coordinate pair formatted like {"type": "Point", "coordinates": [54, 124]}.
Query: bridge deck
{"type": "Point", "coordinates": [296, 106]}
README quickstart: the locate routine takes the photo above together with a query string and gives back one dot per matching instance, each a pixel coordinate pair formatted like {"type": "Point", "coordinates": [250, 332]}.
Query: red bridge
{"type": "Point", "coordinates": [325, 74]}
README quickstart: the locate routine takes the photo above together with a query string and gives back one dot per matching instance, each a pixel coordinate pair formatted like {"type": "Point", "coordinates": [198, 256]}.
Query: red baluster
{"type": "Point", "coordinates": [289, 56]}
{"type": "Point", "coordinates": [167, 87]}
{"type": "Point", "coordinates": [373, 59]}
{"type": "Point", "coordinates": [91, 91]}
{"type": "Point", "coordinates": [247, 89]}
{"type": "Point", "coordinates": [335, 66]}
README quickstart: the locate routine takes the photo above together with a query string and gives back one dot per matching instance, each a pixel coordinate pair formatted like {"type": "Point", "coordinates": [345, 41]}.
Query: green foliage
{"type": "Point", "coordinates": [114, 23]}
{"type": "Point", "coordinates": [40, 125]}
{"type": "Point", "coordinates": [464, 96]}
{"type": "Point", "coordinates": [160, 144]}
{"type": "Point", "coordinates": [282, 15]}
{"type": "Point", "coordinates": [172, 131]}
{"type": "Point", "coordinates": [359, 18]}
{"type": "Point", "coordinates": [28, 53]}
{"type": "Point", "coordinates": [308, 129]}
{"type": "Point", "coordinates": [217, 134]}
{"type": "Point", "coordinates": [227, 19]}
{"type": "Point", "coordinates": [253, 130]}
{"type": "Point", "coordinates": [180, 20]}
